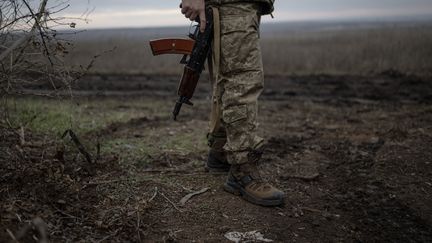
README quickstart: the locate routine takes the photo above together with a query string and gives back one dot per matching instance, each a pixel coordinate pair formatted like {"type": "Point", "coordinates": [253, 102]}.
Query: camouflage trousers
{"type": "Point", "coordinates": [238, 84]}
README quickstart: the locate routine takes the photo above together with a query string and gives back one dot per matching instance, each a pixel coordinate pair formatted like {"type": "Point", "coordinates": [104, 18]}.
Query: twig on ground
{"type": "Point", "coordinates": [186, 198]}
{"type": "Point", "coordinates": [313, 210]}
{"type": "Point", "coordinates": [92, 183]}
{"type": "Point", "coordinates": [184, 188]}
{"type": "Point", "coordinates": [11, 234]}
{"type": "Point", "coordinates": [325, 213]}
{"type": "Point", "coordinates": [108, 236]}
{"type": "Point", "coordinates": [138, 225]}
{"type": "Point", "coordinates": [79, 145]}
{"type": "Point", "coordinates": [98, 148]}
{"type": "Point", "coordinates": [64, 213]}
{"type": "Point", "coordinates": [182, 173]}
{"type": "Point", "coordinates": [173, 204]}
{"type": "Point", "coordinates": [22, 136]}
{"type": "Point", "coordinates": [301, 177]}
{"type": "Point", "coordinates": [163, 171]}
{"type": "Point", "coordinates": [154, 195]}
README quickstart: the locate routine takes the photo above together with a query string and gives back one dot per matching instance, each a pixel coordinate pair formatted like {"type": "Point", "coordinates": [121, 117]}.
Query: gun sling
{"type": "Point", "coordinates": [214, 65]}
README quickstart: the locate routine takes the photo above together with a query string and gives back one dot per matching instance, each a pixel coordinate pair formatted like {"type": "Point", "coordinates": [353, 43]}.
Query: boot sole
{"type": "Point", "coordinates": [239, 191]}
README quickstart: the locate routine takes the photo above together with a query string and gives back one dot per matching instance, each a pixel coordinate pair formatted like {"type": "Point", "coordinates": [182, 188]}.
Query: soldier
{"type": "Point", "coordinates": [237, 84]}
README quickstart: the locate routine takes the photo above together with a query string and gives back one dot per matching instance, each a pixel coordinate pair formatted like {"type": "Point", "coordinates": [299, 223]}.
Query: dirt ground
{"type": "Point", "coordinates": [352, 154]}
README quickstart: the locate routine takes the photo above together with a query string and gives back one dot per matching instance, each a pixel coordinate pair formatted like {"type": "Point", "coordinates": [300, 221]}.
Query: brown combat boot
{"type": "Point", "coordinates": [244, 180]}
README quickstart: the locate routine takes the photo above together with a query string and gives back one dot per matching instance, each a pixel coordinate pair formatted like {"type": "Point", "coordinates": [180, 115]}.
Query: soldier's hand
{"type": "Point", "coordinates": [193, 9]}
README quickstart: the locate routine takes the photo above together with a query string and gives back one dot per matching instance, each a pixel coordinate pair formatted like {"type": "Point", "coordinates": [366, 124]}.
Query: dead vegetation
{"type": "Point", "coordinates": [352, 154]}
{"type": "Point", "coordinates": [357, 52]}
{"type": "Point", "coordinates": [31, 48]}
{"type": "Point", "coordinates": [332, 50]}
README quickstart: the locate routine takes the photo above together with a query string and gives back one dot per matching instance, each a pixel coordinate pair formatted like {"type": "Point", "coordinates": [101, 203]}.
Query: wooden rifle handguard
{"type": "Point", "coordinates": [172, 46]}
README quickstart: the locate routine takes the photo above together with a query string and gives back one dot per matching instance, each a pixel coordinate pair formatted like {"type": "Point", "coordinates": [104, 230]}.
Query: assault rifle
{"type": "Point", "coordinates": [195, 51]}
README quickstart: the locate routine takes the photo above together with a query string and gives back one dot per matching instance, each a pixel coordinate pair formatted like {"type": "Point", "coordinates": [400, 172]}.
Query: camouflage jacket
{"type": "Point", "coordinates": [267, 4]}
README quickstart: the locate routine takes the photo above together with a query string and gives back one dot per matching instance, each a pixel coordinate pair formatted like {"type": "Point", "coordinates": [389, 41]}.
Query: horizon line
{"type": "Point", "coordinates": [388, 19]}
{"type": "Point", "coordinates": [140, 18]}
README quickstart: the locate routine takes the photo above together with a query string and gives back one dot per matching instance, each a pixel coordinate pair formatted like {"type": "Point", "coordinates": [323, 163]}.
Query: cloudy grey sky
{"type": "Point", "coordinates": [143, 13]}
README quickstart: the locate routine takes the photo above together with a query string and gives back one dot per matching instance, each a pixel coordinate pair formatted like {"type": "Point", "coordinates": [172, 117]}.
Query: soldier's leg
{"type": "Point", "coordinates": [241, 78]}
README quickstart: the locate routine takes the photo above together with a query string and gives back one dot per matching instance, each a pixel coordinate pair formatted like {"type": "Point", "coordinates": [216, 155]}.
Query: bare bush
{"type": "Point", "coordinates": [31, 49]}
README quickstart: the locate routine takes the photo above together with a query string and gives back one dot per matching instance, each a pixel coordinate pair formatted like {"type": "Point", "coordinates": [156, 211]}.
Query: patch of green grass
{"type": "Point", "coordinates": [87, 117]}
{"type": "Point", "coordinates": [40, 116]}
{"type": "Point", "coordinates": [55, 116]}
{"type": "Point", "coordinates": [130, 149]}
{"type": "Point", "coordinates": [184, 142]}
{"type": "Point", "coordinates": [139, 151]}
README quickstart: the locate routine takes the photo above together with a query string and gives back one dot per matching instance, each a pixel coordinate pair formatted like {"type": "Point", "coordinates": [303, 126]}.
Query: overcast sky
{"type": "Point", "coordinates": [143, 13]}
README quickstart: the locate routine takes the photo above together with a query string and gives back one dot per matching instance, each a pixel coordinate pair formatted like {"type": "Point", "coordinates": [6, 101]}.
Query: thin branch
{"type": "Point", "coordinates": [173, 204]}
{"type": "Point", "coordinates": [38, 26]}
{"type": "Point", "coordinates": [154, 195]}
{"type": "Point", "coordinates": [15, 20]}
{"type": "Point", "coordinates": [79, 145]}
{"type": "Point", "coordinates": [26, 37]}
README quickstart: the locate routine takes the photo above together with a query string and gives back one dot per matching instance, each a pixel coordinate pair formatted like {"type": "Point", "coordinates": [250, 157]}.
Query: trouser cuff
{"type": "Point", "coordinates": [216, 141]}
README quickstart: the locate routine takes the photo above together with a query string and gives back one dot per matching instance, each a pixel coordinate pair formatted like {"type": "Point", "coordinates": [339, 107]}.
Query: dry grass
{"type": "Point", "coordinates": [408, 50]}
{"type": "Point", "coordinates": [370, 50]}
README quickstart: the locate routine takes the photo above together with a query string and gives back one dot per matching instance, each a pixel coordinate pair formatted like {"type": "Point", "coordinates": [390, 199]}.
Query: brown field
{"type": "Point", "coordinates": [318, 49]}
{"type": "Point", "coordinates": [348, 131]}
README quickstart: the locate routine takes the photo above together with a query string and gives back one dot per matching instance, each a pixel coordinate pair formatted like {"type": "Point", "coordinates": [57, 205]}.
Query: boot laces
{"type": "Point", "coordinates": [260, 185]}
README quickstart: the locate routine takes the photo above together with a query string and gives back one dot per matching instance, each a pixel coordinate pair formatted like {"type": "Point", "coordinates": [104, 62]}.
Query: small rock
{"type": "Point", "coordinates": [61, 201]}
{"type": "Point", "coordinates": [251, 236]}
{"type": "Point", "coordinates": [374, 140]}
{"type": "Point", "coordinates": [224, 229]}
{"type": "Point", "coordinates": [99, 223]}
{"type": "Point", "coordinates": [363, 153]}
{"type": "Point", "coordinates": [327, 215]}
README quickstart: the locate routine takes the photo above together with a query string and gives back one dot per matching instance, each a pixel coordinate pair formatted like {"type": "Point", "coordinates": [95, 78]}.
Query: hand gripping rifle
{"type": "Point", "coordinates": [197, 48]}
